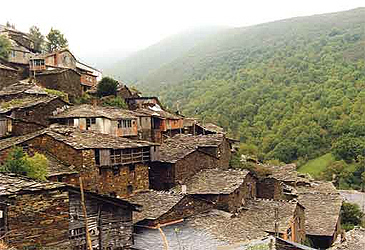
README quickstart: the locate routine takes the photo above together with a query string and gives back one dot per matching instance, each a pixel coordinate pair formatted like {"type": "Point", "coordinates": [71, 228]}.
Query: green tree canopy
{"type": "Point", "coordinates": [351, 215]}
{"type": "Point", "coordinates": [5, 47]}
{"type": "Point", "coordinates": [107, 86]}
{"type": "Point", "coordinates": [18, 162]}
{"type": "Point", "coordinates": [37, 37]}
{"type": "Point", "coordinates": [56, 40]}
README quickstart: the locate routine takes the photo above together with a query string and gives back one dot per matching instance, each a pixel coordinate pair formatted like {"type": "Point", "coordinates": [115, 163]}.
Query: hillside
{"type": "Point", "coordinates": [291, 88]}
{"type": "Point", "coordinates": [138, 65]}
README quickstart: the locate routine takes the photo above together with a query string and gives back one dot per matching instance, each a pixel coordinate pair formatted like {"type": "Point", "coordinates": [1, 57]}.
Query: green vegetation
{"type": "Point", "coordinates": [5, 47]}
{"type": "Point", "coordinates": [56, 40]}
{"type": "Point", "coordinates": [21, 163]}
{"type": "Point", "coordinates": [318, 165]}
{"type": "Point", "coordinates": [36, 35]}
{"type": "Point", "coordinates": [351, 216]}
{"type": "Point", "coordinates": [107, 86]}
{"type": "Point", "coordinates": [63, 95]}
{"type": "Point", "coordinates": [293, 88]}
{"type": "Point", "coordinates": [115, 102]}
{"type": "Point", "coordinates": [11, 103]}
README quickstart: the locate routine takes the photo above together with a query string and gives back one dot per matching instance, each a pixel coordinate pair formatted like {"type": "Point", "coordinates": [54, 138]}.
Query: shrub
{"type": "Point", "coordinates": [107, 86]}
{"type": "Point", "coordinates": [21, 163]}
{"type": "Point", "coordinates": [351, 215]}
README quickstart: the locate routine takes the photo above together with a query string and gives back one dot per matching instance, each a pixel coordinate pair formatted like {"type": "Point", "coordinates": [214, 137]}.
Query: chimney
{"type": "Point", "coordinates": [183, 189]}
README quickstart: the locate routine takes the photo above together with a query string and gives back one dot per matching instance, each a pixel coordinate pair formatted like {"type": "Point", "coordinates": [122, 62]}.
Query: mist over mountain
{"type": "Point", "coordinates": [138, 65]}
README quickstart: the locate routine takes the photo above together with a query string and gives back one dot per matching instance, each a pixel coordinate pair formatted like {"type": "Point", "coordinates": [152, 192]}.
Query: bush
{"type": "Point", "coordinates": [21, 163]}
{"type": "Point", "coordinates": [351, 216]}
{"type": "Point", "coordinates": [107, 86]}
{"type": "Point", "coordinates": [115, 102]}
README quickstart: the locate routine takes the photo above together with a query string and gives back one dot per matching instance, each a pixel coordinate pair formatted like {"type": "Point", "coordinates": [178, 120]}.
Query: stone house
{"type": "Point", "coordinates": [66, 80]}
{"type": "Point", "coordinates": [270, 188]}
{"type": "Point", "coordinates": [228, 190]}
{"type": "Point", "coordinates": [157, 123]}
{"type": "Point", "coordinates": [139, 102]}
{"type": "Point", "coordinates": [22, 47]}
{"type": "Point", "coordinates": [25, 108]}
{"type": "Point", "coordinates": [8, 74]}
{"type": "Point", "coordinates": [128, 93]}
{"type": "Point", "coordinates": [106, 120]}
{"type": "Point", "coordinates": [322, 204]}
{"type": "Point", "coordinates": [166, 208]}
{"type": "Point", "coordinates": [182, 156]}
{"type": "Point", "coordinates": [49, 215]}
{"type": "Point", "coordinates": [108, 165]}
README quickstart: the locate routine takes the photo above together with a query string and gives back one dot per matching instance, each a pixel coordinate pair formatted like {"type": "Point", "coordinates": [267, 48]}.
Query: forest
{"type": "Point", "coordinates": [291, 90]}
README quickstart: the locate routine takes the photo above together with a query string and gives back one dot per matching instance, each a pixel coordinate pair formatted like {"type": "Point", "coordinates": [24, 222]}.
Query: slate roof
{"type": "Point", "coordinates": [3, 66]}
{"type": "Point", "coordinates": [88, 111]}
{"type": "Point", "coordinates": [215, 181]}
{"type": "Point", "coordinates": [322, 204]}
{"type": "Point", "coordinates": [23, 87]}
{"type": "Point", "coordinates": [16, 140]}
{"type": "Point", "coordinates": [211, 127]}
{"type": "Point", "coordinates": [154, 203]}
{"type": "Point", "coordinates": [253, 223]}
{"type": "Point", "coordinates": [179, 146]}
{"type": "Point", "coordinates": [157, 113]}
{"type": "Point", "coordinates": [55, 71]}
{"type": "Point", "coordinates": [25, 102]}
{"type": "Point", "coordinates": [56, 167]}
{"type": "Point", "coordinates": [287, 173]}
{"type": "Point", "coordinates": [14, 184]}
{"type": "Point", "coordinates": [88, 139]}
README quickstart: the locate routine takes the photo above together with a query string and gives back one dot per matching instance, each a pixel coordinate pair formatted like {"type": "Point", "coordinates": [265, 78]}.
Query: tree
{"type": "Point", "coordinates": [5, 47]}
{"type": "Point", "coordinates": [349, 148]}
{"type": "Point", "coordinates": [15, 162]}
{"type": "Point", "coordinates": [107, 86]}
{"type": "Point", "coordinates": [37, 37]}
{"type": "Point", "coordinates": [37, 166]}
{"type": "Point", "coordinates": [351, 215]}
{"type": "Point", "coordinates": [115, 102]}
{"type": "Point", "coordinates": [56, 40]}
{"type": "Point", "coordinates": [21, 163]}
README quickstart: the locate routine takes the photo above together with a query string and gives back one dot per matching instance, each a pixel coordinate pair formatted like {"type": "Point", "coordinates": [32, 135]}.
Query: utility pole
{"type": "Point", "coordinates": [88, 240]}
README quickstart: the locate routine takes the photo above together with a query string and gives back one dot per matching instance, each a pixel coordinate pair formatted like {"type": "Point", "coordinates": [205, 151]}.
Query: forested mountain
{"type": "Point", "coordinates": [138, 65]}
{"type": "Point", "coordinates": [291, 88]}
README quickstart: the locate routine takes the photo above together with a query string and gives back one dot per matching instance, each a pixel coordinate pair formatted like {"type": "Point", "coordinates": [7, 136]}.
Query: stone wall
{"type": "Point", "coordinates": [20, 127]}
{"type": "Point", "coordinates": [8, 77]}
{"type": "Point", "coordinates": [39, 114]}
{"type": "Point", "coordinates": [270, 188]}
{"type": "Point", "coordinates": [188, 206]}
{"type": "Point", "coordinates": [118, 180]}
{"type": "Point", "coordinates": [39, 220]}
{"type": "Point", "coordinates": [62, 151]}
{"type": "Point", "coordinates": [193, 163]}
{"type": "Point", "coordinates": [68, 81]}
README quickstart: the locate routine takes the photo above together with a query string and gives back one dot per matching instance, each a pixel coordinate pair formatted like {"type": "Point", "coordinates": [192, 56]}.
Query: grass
{"type": "Point", "coordinates": [316, 166]}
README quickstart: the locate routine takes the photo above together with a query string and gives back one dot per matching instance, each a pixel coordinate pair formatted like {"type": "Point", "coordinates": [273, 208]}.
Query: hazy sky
{"type": "Point", "coordinates": [107, 26]}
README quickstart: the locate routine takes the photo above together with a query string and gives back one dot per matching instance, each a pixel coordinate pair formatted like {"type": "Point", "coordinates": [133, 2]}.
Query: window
{"type": "Point", "coordinates": [124, 123]}
{"type": "Point", "coordinates": [116, 171]}
{"type": "Point", "coordinates": [97, 157]}
{"type": "Point", "coordinates": [132, 167]}
{"type": "Point", "coordinates": [129, 189]}
{"type": "Point", "coordinates": [3, 219]}
{"type": "Point", "coordinates": [89, 122]}
{"type": "Point", "coordinates": [13, 53]}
